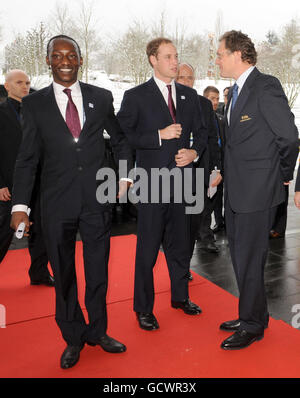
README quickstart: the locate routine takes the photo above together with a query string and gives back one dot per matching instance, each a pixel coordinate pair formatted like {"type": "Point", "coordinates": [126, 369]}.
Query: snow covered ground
{"type": "Point", "coordinates": [117, 88]}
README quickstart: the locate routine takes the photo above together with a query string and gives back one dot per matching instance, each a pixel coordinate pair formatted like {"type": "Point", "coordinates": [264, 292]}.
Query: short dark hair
{"type": "Point", "coordinates": [227, 88]}
{"type": "Point", "coordinates": [153, 46]}
{"type": "Point", "coordinates": [63, 37]}
{"type": "Point", "coordinates": [210, 89]}
{"type": "Point", "coordinates": [238, 41]}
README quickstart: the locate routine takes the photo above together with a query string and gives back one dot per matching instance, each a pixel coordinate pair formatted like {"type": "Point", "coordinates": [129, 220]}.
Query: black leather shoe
{"type": "Point", "coordinates": [48, 281]}
{"type": "Point", "coordinates": [210, 247]}
{"type": "Point", "coordinates": [108, 344]}
{"type": "Point", "coordinates": [241, 339]}
{"type": "Point", "coordinates": [70, 356]}
{"type": "Point", "coordinates": [231, 326]}
{"type": "Point", "coordinates": [187, 306]}
{"type": "Point", "coordinates": [147, 321]}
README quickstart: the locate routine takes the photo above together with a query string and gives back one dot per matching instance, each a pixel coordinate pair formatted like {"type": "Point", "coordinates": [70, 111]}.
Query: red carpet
{"type": "Point", "coordinates": [185, 346]}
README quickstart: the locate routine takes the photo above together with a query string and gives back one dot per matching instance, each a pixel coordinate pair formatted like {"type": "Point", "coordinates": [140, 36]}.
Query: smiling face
{"type": "Point", "coordinates": [165, 63]}
{"type": "Point", "coordinates": [65, 61]}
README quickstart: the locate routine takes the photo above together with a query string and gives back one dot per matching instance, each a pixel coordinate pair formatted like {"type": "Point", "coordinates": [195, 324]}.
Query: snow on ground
{"type": "Point", "coordinates": [101, 79]}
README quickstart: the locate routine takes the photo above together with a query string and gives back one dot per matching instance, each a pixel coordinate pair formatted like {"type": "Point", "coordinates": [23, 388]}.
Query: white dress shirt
{"type": "Point", "coordinates": [240, 83]}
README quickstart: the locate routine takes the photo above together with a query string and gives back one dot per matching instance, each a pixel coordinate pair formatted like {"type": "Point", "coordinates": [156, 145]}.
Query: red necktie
{"type": "Point", "coordinates": [72, 117]}
{"type": "Point", "coordinates": [171, 103]}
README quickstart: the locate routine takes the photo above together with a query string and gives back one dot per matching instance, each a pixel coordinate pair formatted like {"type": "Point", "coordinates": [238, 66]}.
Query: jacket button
{"type": "Point", "coordinates": [78, 149]}
{"type": "Point", "coordinates": [80, 168]}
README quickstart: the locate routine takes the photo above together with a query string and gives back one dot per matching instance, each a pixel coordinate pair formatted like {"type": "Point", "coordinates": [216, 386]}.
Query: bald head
{"type": "Point", "coordinates": [17, 84]}
{"type": "Point", "coordinates": [186, 75]}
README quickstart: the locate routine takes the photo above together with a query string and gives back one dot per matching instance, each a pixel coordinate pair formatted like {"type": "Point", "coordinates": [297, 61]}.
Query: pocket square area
{"type": "Point", "coordinates": [245, 118]}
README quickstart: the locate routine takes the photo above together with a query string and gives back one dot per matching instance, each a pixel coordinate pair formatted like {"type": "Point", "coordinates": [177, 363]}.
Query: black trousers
{"type": "Point", "coordinates": [39, 259]}
{"type": "Point", "coordinates": [280, 217]}
{"type": "Point", "coordinates": [60, 233]}
{"type": "Point", "coordinates": [167, 224]}
{"type": "Point", "coordinates": [248, 238]}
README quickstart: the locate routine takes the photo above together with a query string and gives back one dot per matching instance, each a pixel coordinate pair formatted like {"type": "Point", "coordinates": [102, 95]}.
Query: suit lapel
{"type": "Point", "coordinates": [156, 94]}
{"type": "Point", "coordinates": [52, 107]}
{"type": "Point", "coordinates": [180, 101]}
{"type": "Point", "coordinates": [88, 106]}
{"type": "Point", "coordinates": [242, 98]}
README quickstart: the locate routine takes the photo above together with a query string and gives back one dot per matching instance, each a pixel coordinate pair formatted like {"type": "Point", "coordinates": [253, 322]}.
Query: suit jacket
{"type": "Point", "coordinates": [212, 155]}
{"type": "Point", "coordinates": [144, 111]}
{"type": "Point", "coordinates": [297, 185]}
{"type": "Point", "coordinates": [261, 145]}
{"type": "Point", "coordinates": [10, 140]}
{"type": "Point", "coordinates": [68, 169]}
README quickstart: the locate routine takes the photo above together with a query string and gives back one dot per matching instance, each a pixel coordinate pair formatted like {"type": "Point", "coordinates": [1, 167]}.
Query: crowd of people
{"type": "Point", "coordinates": [53, 146]}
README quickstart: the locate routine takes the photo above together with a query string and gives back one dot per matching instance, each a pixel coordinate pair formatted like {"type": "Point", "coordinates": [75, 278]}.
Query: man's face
{"type": "Point", "coordinates": [226, 61]}
{"type": "Point", "coordinates": [165, 64]}
{"type": "Point", "coordinates": [64, 61]}
{"type": "Point", "coordinates": [18, 85]}
{"type": "Point", "coordinates": [186, 76]}
{"type": "Point", "coordinates": [225, 95]}
{"type": "Point", "coordinates": [214, 98]}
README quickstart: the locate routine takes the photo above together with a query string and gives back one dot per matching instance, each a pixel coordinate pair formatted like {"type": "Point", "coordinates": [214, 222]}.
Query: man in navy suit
{"type": "Point", "coordinates": [260, 155]}
{"type": "Point", "coordinates": [63, 129]}
{"type": "Point", "coordinates": [158, 118]}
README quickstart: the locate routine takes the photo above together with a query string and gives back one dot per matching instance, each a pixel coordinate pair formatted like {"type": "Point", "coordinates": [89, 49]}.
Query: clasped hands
{"type": "Point", "coordinates": [184, 156]}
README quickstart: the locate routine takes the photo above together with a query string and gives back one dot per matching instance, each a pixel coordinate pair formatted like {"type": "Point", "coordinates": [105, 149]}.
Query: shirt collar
{"type": "Point", "coordinates": [58, 88]}
{"type": "Point", "coordinates": [161, 84]}
{"type": "Point", "coordinates": [241, 80]}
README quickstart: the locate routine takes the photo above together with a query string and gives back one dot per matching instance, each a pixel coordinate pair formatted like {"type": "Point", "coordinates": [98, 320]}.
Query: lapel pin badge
{"type": "Point", "coordinates": [91, 105]}
{"type": "Point", "coordinates": [182, 97]}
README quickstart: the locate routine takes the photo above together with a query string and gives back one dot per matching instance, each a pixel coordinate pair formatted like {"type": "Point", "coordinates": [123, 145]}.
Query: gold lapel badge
{"type": "Point", "coordinates": [245, 118]}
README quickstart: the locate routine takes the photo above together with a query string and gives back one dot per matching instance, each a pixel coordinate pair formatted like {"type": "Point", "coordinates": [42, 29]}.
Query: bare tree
{"type": "Point", "coordinates": [87, 36]}
{"type": "Point", "coordinates": [131, 50]}
{"type": "Point", "coordinates": [275, 57]}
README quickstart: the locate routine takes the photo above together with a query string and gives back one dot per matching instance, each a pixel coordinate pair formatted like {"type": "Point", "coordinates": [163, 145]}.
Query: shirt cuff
{"type": "Point", "coordinates": [127, 179]}
{"type": "Point", "coordinates": [159, 138]}
{"type": "Point", "coordinates": [196, 160]}
{"type": "Point", "coordinates": [23, 208]}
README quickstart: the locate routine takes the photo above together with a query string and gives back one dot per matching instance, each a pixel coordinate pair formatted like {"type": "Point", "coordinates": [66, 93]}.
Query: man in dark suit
{"type": "Point", "coordinates": [260, 155]}
{"type": "Point", "coordinates": [213, 95]}
{"type": "Point", "coordinates": [158, 118]}
{"type": "Point", "coordinates": [63, 128]}
{"type": "Point", "coordinates": [17, 85]}
{"type": "Point", "coordinates": [211, 160]}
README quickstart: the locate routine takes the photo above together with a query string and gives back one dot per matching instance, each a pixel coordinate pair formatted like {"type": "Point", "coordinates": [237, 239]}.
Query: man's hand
{"type": "Point", "coordinates": [297, 199]}
{"type": "Point", "coordinates": [185, 157]}
{"type": "Point", "coordinates": [123, 187]}
{"type": "Point", "coordinates": [170, 132]}
{"type": "Point", "coordinates": [16, 219]}
{"type": "Point", "coordinates": [5, 195]}
{"type": "Point", "coordinates": [217, 180]}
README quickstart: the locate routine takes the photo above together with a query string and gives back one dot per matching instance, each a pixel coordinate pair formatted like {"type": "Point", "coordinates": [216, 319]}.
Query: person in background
{"type": "Point", "coordinates": [211, 160]}
{"type": "Point", "coordinates": [17, 85]}
{"type": "Point", "coordinates": [213, 94]}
